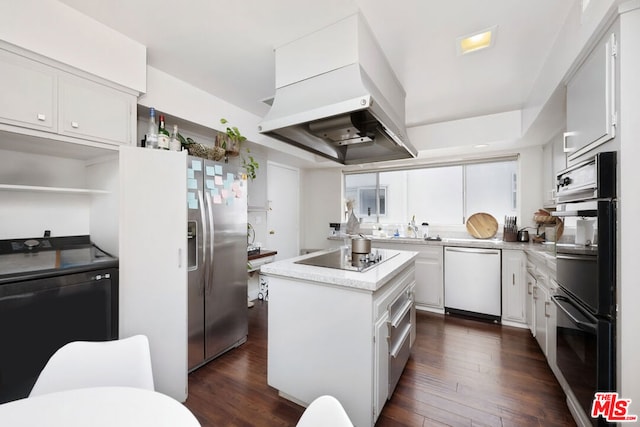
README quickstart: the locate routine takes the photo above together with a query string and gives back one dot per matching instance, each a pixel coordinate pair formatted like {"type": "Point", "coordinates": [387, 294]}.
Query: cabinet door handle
{"type": "Point", "coordinates": [42, 117]}
{"type": "Point", "coordinates": [75, 125]}
{"type": "Point", "coordinates": [513, 279]}
{"type": "Point", "coordinates": [529, 288]}
{"type": "Point", "coordinates": [565, 148]}
{"type": "Point", "coordinates": [546, 304]}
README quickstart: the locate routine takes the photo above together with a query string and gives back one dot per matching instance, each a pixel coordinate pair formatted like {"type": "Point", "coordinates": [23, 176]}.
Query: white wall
{"type": "Point", "coordinates": [180, 99]}
{"type": "Point", "coordinates": [60, 32]}
{"type": "Point", "coordinates": [29, 213]}
{"type": "Point", "coordinates": [321, 203]}
{"type": "Point", "coordinates": [488, 129]}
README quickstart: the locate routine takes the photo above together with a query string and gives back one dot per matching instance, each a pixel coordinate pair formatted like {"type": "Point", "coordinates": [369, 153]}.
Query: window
{"type": "Point", "coordinates": [445, 195]}
{"type": "Point", "coordinates": [368, 202]}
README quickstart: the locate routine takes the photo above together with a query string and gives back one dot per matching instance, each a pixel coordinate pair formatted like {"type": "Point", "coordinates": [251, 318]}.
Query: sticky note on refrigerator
{"type": "Point", "coordinates": [229, 201]}
{"type": "Point", "coordinates": [218, 169]}
{"type": "Point", "coordinates": [224, 193]}
{"type": "Point", "coordinates": [215, 192]}
{"type": "Point", "coordinates": [210, 171]}
{"type": "Point", "coordinates": [218, 180]}
{"type": "Point", "coordinates": [190, 174]}
{"type": "Point", "coordinates": [192, 203]}
{"type": "Point", "coordinates": [192, 184]}
{"type": "Point", "coordinates": [230, 176]}
{"type": "Point", "coordinates": [217, 200]}
{"type": "Point", "coordinates": [210, 184]}
{"type": "Point", "coordinates": [196, 165]}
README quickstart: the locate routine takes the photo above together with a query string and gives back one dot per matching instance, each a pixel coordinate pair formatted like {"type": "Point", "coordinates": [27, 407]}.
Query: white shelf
{"type": "Point", "coordinates": [42, 189]}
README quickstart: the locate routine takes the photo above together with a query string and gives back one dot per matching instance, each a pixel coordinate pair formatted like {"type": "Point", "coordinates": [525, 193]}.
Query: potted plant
{"type": "Point", "coordinates": [232, 139]}
{"type": "Point", "coordinates": [250, 165]}
{"type": "Point", "coordinates": [231, 142]}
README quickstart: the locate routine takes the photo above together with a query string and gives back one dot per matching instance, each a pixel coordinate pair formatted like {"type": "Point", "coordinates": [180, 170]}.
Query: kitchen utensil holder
{"type": "Point", "coordinates": [509, 235]}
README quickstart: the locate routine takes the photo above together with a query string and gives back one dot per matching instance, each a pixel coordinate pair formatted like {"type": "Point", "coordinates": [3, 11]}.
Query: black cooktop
{"type": "Point", "coordinates": [342, 259]}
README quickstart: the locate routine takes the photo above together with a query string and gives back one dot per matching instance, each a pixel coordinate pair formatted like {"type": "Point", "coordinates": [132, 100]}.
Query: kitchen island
{"type": "Point", "coordinates": [339, 332]}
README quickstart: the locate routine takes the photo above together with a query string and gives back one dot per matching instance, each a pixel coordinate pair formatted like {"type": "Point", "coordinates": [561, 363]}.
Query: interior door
{"type": "Point", "coordinates": [283, 218]}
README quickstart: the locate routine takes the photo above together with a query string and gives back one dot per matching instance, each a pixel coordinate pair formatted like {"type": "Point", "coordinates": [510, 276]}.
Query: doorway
{"type": "Point", "coordinates": [283, 217]}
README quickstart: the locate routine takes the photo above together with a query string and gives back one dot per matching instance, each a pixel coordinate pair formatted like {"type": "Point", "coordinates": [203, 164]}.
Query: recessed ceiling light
{"type": "Point", "coordinates": [476, 41]}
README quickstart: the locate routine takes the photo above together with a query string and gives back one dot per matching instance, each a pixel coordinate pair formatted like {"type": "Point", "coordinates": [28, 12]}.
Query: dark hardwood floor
{"type": "Point", "coordinates": [461, 373]}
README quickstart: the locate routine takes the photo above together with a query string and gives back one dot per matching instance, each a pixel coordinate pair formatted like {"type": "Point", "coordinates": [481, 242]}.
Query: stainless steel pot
{"type": "Point", "coordinates": [360, 245]}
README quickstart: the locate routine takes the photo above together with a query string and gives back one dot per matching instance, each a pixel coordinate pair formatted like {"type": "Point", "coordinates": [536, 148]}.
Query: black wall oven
{"type": "Point", "coordinates": [586, 273]}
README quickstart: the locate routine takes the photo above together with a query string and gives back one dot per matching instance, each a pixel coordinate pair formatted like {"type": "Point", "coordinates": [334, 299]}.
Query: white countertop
{"type": "Point", "coordinates": [370, 280]}
{"type": "Point", "coordinates": [539, 251]}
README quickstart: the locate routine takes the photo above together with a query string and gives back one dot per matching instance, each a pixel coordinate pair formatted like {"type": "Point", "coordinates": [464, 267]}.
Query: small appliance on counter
{"type": "Point", "coordinates": [425, 230]}
{"type": "Point", "coordinates": [335, 228]}
{"type": "Point", "coordinates": [523, 235]}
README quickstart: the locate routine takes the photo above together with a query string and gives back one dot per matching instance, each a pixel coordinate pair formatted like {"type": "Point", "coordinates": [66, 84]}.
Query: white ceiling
{"type": "Point", "coordinates": [226, 47]}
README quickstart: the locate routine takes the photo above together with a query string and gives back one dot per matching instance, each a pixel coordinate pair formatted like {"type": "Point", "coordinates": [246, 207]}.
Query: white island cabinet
{"type": "Point", "coordinates": [342, 333]}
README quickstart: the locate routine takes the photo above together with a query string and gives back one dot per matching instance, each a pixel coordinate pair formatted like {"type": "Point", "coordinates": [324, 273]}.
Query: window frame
{"type": "Point", "coordinates": [463, 164]}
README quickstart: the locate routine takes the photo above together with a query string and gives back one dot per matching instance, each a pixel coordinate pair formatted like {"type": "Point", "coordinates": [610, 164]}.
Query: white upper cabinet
{"type": "Point", "coordinates": [93, 111]}
{"type": "Point", "coordinates": [591, 112]}
{"type": "Point", "coordinates": [46, 100]}
{"type": "Point", "coordinates": [28, 93]}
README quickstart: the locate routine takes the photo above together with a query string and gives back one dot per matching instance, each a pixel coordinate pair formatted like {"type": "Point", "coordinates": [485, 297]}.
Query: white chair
{"type": "Point", "coordinates": [325, 411]}
{"type": "Point", "coordinates": [81, 364]}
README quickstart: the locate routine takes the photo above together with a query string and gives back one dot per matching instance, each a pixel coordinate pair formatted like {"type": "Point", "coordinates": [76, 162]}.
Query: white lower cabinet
{"type": "Point", "coordinates": [543, 323]}
{"type": "Point", "coordinates": [429, 291]}
{"type": "Point", "coordinates": [530, 302]}
{"type": "Point", "coordinates": [541, 298]}
{"type": "Point", "coordinates": [341, 343]}
{"type": "Point", "coordinates": [552, 323]}
{"type": "Point", "coordinates": [381, 378]}
{"type": "Point", "coordinates": [430, 278]}
{"type": "Point", "coordinates": [513, 286]}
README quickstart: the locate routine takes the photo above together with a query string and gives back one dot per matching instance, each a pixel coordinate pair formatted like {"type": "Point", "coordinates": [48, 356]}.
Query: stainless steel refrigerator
{"type": "Point", "coordinates": [217, 257]}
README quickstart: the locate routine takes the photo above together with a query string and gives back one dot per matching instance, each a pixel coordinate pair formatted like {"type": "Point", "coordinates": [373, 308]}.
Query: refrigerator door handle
{"type": "Point", "coordinates": [211, 242]}
{"type": "Point", "coordinates": [205, 237]}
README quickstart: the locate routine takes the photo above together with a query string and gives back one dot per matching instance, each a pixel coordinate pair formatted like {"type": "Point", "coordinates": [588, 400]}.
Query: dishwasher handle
{"type": "Point", "coordinates": [473, 250]}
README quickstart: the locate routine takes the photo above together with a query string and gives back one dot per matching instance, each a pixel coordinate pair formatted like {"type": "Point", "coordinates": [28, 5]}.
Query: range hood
{"type": "Point", "coordinates": [337, 97]}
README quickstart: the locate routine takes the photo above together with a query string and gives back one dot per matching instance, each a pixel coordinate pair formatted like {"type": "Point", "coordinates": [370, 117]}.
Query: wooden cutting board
{"type": "Point", "coordinates": [482, 225]}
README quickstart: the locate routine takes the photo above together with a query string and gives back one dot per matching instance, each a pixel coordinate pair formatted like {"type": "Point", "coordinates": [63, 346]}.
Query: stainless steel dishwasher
{"type": "Point", "coordinates": [472, 282]}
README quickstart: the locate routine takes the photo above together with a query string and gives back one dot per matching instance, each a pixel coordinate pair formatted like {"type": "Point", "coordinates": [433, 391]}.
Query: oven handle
{"type": "Point", "coordinates": [558, 299]}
